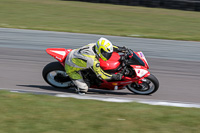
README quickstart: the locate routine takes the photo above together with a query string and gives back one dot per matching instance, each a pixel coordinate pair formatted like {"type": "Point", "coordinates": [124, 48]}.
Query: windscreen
{"type": "Point", "coordinates": [135, 60]}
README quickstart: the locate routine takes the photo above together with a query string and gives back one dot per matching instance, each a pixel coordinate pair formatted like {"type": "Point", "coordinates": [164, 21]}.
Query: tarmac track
{"type": "Point", "coordinates": [175, 63]}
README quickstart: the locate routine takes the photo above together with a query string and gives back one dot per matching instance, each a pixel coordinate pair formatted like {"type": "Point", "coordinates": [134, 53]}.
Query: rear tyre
{"type": "Point", "coordinates": [54, 74]}
{"type": "Point", "coordinates": [150, 85]}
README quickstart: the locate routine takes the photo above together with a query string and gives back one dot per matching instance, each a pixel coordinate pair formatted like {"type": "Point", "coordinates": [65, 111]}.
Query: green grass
{"type": "Point", "coordinates": [94, 18]}
{"type": "Point", "coordinates": [27, 113]}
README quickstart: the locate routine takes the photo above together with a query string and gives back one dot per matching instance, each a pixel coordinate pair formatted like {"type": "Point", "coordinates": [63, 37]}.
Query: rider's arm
{"type": "Point", "coordinates": [118, 48]}
{"type": "Point", "coordinates": [103, 75]}
{"type": "Point", "coordinates": [99, 72]}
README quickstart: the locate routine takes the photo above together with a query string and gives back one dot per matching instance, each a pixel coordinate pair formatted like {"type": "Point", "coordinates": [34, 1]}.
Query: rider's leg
{"type": "Point", "coordinates": [77, 78]}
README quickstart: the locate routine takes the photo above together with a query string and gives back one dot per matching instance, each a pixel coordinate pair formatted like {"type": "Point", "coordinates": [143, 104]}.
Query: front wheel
{"type": "Point", "coordinates": [149, 85]}
{"type": "Point", "coordinates": [55, 75]}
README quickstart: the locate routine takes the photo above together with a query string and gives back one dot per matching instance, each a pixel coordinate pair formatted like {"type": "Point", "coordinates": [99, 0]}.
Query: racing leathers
{"type": "Point", "coordinates": [83, 58]}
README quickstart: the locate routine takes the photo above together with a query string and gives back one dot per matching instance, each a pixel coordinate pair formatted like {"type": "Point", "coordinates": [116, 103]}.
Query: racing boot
{"type": "Point", "coordinates": [78, 90]}
{"type": "Point", "coordinates": [81, 87]}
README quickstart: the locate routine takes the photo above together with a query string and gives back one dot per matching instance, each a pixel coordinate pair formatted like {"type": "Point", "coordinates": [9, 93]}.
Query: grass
{"type": "Point", "coordinates": [27, 113]}
{"type": "Point", "coordinates": [95, 18]}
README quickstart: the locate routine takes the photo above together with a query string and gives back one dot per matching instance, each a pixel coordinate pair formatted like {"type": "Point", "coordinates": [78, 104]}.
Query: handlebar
{"type": "Point", "coordinates": [124, 59]}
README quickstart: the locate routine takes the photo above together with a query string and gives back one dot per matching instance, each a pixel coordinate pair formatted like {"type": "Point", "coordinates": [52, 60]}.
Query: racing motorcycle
{"type": "Point", "coordinates": [132, 65]}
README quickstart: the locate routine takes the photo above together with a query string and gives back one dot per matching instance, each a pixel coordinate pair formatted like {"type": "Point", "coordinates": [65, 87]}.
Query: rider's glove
{"type": "Point", "coordinates": [117, 76]}
{"type": "Point", "coordinates": [121, 49]}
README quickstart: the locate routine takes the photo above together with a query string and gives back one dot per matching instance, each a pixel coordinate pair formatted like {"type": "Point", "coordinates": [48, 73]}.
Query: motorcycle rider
{"type": "Point", "coordinates": [88, 57]}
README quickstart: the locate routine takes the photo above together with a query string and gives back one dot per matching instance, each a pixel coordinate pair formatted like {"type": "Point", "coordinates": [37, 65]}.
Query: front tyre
{"type": "Point", "coordinates": [149, 85]}
{"type": "Point", "coordinates": [55, 75]}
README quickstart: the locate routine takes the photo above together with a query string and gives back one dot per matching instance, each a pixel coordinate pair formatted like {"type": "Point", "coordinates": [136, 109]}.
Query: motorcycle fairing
{"type": "Point", "coordinates": [140, 72]}
{"type": "Point", "coordinates": [111, 64]}
{"type": "Point", "coordinates": [58, 53]}
{"type": "Point", "coordinates": [114, 85]}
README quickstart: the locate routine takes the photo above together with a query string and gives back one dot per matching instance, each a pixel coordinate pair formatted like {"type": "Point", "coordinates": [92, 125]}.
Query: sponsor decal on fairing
{"type": "Point", "coordinates": [140, 72]}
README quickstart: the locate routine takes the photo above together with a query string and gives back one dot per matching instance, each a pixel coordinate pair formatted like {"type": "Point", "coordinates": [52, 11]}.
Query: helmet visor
{"type": "Point", "coordinates": [106, 54]}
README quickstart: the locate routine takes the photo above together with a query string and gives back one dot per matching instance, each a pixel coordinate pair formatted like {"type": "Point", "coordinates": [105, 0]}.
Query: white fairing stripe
{"type": "Point", "coordinates": [59, 52]}
{"type": "Point", "coordinates": [140, 72]}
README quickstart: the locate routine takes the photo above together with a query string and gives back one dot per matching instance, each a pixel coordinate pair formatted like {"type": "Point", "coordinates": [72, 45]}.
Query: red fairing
{"type": "Point", "coordinates": [112, 63]}
{"type": "Point", "coordinates": [59, 53]}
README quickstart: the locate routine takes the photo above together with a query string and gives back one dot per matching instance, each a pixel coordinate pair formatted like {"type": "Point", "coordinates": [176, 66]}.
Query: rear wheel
{"type": "Point", "coordinates": [55, 75]}
{"type": "Point", "coordinates": [149, 85]}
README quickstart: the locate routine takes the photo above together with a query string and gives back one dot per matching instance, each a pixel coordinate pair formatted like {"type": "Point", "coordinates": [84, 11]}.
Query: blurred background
{"type": "Point", "coordinates": [193, 5]}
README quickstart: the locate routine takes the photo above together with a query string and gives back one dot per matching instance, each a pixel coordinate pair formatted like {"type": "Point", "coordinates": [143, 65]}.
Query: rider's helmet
{"type": "Point", "coordinates": [104, 48]}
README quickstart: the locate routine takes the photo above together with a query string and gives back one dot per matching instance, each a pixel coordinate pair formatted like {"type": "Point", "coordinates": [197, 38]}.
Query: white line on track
{"type": "Point", "coordinates": [109, 98]}
{"type": "Point", "coordinates": [145, 101]}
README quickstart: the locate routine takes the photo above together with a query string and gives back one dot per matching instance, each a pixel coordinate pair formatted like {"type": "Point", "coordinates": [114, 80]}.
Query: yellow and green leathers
{"type": "Point", "coordinates": [83, 58]}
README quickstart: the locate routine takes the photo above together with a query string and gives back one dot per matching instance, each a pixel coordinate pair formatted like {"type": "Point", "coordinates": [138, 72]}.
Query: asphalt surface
{"type": "Point", "coordinates": [176, 64]}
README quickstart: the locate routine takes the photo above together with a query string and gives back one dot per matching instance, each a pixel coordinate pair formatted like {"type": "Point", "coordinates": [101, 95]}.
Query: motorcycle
{"type": "Point", "coordinates": [132, 65]}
